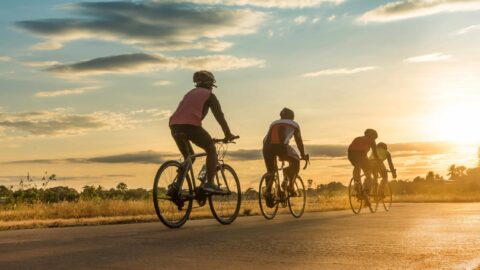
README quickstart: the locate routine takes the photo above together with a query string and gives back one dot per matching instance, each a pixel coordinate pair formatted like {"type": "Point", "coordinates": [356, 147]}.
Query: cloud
{"type": "Point", "coordinates": [151, 25]}
{"type": "Point", "coordinates": [468, 29]}
{"type": "Point", "coordinates": [433, 57]}
{"type": "Point", "coordinates": [42, 63]}
{"type": "Point", "coordinates": [66, 92]}
{"type": "Point", "coordinates": [322, 151]}
{"type": "Point", "coordinates": [5, 58]}
{"type": "Point", "coordinates": [267, 3]}
{"type": "Point", "coordinates": [162, 83]}
{"type": "Point", "coordinates": [407, 9]}
{"type": "Point", "coordinates": [300, 19]}
{"type": "Point", "coordinates": [145, 157]}
{"type": "Point", "coordinates": [339, 71]}
{"type": "Point", "coordinates": [63, 122]}
{"type": "Point", "coordinates": [142, 62]}
{"type": "Point", "coordinates": [59, 122]}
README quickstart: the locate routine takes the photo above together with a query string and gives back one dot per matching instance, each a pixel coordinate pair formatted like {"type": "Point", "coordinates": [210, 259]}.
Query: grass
{"type": "Point", "coordinates": [118, 211]}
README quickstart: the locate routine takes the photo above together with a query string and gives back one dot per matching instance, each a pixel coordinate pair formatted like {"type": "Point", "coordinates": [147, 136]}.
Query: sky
{"type": "Point", "coordinates": [86, 87]}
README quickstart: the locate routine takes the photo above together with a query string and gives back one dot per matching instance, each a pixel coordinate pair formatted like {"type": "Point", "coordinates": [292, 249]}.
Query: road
{"type": "Point", "coordinates": [411, 236]}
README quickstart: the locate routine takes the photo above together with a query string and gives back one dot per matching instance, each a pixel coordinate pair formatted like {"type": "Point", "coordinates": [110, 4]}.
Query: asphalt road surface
{"type": "Point", "coordinates": [411, 236]}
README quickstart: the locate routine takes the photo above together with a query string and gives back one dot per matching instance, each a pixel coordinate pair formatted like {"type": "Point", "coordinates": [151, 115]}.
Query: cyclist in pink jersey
{"type": "Point", "coordinates": [187, 120]}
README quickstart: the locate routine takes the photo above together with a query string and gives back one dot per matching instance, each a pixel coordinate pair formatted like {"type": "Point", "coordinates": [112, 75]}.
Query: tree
{"type": "Point", "coordinates": [122, 186]}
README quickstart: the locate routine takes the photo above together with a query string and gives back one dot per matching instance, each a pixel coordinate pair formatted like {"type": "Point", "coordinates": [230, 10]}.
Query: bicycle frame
{"type": "Point", "coordinates": [187, 165]}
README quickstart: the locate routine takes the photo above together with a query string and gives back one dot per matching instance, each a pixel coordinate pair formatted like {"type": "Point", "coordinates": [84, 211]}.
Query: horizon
{"type": "Point", "coordinates": [87, 87]}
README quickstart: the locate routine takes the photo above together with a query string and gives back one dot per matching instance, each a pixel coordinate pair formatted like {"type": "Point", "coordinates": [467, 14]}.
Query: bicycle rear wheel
{"type": "Point", "coordinates": [386, 195]}
{"type": "Point", "coordinates": [373, 198]}
{"type": "Point", "coordinates": [267, 212]}
{"type": "Point", "coordinates": [355, 196]}
{"type": "Point", "coordinates": [172, 210]}
{"type": "Point", "coordinates": [225, 208]}
{"type": "Point", "coordinates": [296, 203]}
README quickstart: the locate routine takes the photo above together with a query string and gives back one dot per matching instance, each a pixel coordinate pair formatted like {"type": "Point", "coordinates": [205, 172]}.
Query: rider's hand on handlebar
{"type": "Point", "coordinates": [394, 173]}
{"type": "Point", "coordinates": [230, 137]}
{"type": "Point", "coordinates": [306, 157]}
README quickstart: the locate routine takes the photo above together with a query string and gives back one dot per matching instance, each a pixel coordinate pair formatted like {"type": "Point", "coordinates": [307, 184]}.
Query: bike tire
{"type": "Point", "coordinates": [225, 208]}
{"type": "Point", "coordinates": [267, 212]}
{"type": "Point", "coordinates": [388, 196]}
{"type": "Point", "coordinates": [356, 203]}
{"type": "Point", "coordinates": [298, 201]}
{"type": "Point", "coordinates": [167, 211]}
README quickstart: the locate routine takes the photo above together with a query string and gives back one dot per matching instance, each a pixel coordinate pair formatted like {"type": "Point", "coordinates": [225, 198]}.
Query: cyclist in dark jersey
{"type": "Point", "coordinates": [187, 119]}
{"type": "Point", "coordinates": [357, 155]}
{"type": "Point", "coordinates": [276, 144]}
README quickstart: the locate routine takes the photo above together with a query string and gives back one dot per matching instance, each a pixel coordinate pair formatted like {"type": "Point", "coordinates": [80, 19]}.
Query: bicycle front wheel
{"type": "Point", "coordinates": [267, 211]}
{"type": "Point", "coordinates": [296, 203]}
{"type": "Point", "coordinates": [355, 196]}
{"type": "Point", "coordinates": [173, 207]}
{"type": "Point", "coordinates": [225, 207]}
{"type": "Point", "coordinates": [386, 196]}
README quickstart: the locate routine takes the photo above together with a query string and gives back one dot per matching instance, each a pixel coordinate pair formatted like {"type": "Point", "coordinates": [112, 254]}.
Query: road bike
{"type": "Point", "coordinates": [379, 193]}
{"type": "Point", "coordinates": [295, 200]}
{"type": "Point", "coordinates": [175, 188]}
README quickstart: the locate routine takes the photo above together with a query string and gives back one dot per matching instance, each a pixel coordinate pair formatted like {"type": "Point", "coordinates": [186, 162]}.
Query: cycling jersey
{"type": "Point", "coordinates": [194, 107]}
{"type": "Point", "coordinates": [281, 131]}
{"type": "Point", "coordinates": [382, 154]}
{"type": "Point", "coordinates": [361, 144]}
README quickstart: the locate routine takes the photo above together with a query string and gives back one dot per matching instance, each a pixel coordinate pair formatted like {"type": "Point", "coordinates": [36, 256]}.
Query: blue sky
{"type": "Point", "coordinates": [106, 75]}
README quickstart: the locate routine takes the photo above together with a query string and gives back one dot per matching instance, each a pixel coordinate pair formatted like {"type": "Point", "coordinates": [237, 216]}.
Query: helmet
{"type": "Point", "coordinates": [204, 76]}
{"type": "Point", "coordinates": [382, 145]}
{"type": "Point", "coordinates": [371, 133]}
{"type": "Point", "coordinates": [286, 113]}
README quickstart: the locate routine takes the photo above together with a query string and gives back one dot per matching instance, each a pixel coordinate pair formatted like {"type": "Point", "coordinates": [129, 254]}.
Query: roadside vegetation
{"type": "Point", "coordinates": [34, 204]}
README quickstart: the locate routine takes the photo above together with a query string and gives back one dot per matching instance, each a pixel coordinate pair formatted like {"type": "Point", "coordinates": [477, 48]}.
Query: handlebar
{"type": "Point", "coordinates": [226, 140]}
{"type": "Point", "coordinates": [307, 161]}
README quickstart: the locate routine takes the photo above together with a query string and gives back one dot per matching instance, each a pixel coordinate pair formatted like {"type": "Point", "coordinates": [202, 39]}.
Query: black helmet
{"type": "Point", "coordinates": [204, 76]}
{"type": "Point", "coordinates": [286, 113]}
{"type": "Point", "coordinates": [382, 145]}
{"type": "Point", "coordinates": [370, 132]}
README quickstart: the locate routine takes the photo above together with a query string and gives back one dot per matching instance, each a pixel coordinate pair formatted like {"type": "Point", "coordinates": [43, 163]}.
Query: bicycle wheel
{"type": "Point", "coordinates": [296, 203]}
{"type": "Point", "coordinates": [373, 198]}
{"type": "Point", "coordinates": [354, 196]}
{"type": "Point", "coordinates": [173, 212]}
{"type": "Point", "coordinates": [267, 212]}
{"type": "Point", "coordinates": [225, 208]}
{"type": "Point", "coordinates": [386, 196]}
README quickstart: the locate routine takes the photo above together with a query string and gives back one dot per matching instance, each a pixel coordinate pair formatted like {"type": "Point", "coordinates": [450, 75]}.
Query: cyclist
{"type": "Point", "coordinates": [379, 167]}
{"type": "Point", "coordinates": [187, 119]}
{"type": "Point", "coordinates": [276, 144]}
{"type": "Point", "coordinates": [357, 155]}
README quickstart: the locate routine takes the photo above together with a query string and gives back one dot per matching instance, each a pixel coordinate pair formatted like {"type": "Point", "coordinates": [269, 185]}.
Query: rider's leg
{"type": "Point", "coordinates": [269, 158]}
{"type": "Point", "coordinates": [367, 171]}
{"type": "Point", "coordinates": [202, 139]}
{"type": "Point", "coordinates": [182, 143]}
{"type": "Point", "coordinates": [384, 174]}
{"type": "Point", "coordinates": [293, 166]}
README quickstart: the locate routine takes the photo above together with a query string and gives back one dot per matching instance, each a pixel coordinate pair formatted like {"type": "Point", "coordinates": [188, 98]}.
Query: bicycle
{"type": "Point", "coordinates": [378, 192]}
{"type": "Point", "coordinates": [296, 201]}
{"type": "Point", "coordinates": [175, 189]}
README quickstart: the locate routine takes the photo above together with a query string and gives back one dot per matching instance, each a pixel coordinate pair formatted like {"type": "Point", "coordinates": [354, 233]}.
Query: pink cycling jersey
{"type": "Point", "coordinates": [190, 109]}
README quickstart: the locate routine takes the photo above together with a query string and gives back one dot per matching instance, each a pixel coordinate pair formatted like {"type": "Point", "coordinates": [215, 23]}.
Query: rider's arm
{"type": "Point", "coordinates": [390, 165]}
{"type": "Point", "coordinates": [214, 105]}
{"type": "Point", "coordinates": [299, 142]}
{"type": "Point", "coordinates": [374, 150]}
